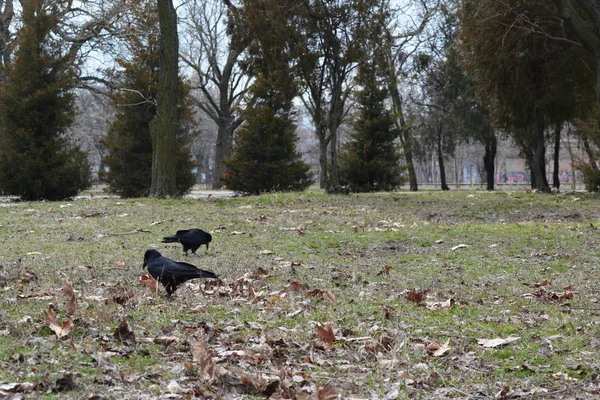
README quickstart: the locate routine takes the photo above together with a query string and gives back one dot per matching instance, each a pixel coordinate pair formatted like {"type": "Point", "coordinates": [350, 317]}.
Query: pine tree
{"type": "Point", "coordinates": [36, 107]}
{"type": "Point", "coordinates": [370, 160]}
{"type": "Point", "coordinates": [128, 140]}
{"type": "Point", "coordinates": [264, 156]}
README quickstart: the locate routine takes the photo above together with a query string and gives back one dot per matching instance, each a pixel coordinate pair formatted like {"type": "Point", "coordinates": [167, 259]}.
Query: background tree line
{"type": "Point", "coordinates": [219, 86]}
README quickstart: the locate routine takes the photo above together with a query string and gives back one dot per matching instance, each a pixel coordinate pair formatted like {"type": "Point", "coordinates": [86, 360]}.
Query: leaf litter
{"type": "Point", "coordinates": [327, 328]}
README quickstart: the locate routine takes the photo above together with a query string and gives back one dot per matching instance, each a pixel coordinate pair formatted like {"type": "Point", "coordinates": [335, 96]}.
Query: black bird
{"type": "Point", "coordinates": [172, 273]}
{"type": "Point", "coordinates": [191, 239]}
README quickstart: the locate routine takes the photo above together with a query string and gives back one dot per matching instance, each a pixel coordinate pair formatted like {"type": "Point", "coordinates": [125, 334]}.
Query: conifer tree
{"type": "Point", "coordinates": [264, 156]}
{"type": "Point", "coordinates": [37, 161]}
{"type": "Point", "coordinates": [370, 160]}
{"type": "Point", "coordinates": [128, 140]}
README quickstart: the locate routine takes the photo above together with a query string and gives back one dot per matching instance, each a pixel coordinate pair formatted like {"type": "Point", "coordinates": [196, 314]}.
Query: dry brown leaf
{"type": "Point", "coordinates": [120, 295]}
{"type": "Point", "coordinates": [545, 282]}
{"type": "Point", "coordinates": [296, 286]}
{"type": "Point", "coordinates": [120, 264]}
{"type": "Point", "coordinates": [326, 335]}
{"type": "Point", "coordinates": [492, 343]}
{"type": "Point", "coordinates": [385, 270]}
{"type": "Point", "coordinates": [417, 296]}
{"type": "Point", "coordinates": [443, 349]}
{"type": "Point", "coordinates": [71, 306]}
{"type": "Point", "coordinates": [544, 295]}
{"type": "Point", "coordinates": [330, 392]}
{"type": "Point", "coordinates": [321, 293]}
{"type": "Point", "coordinates": [502, 394]}
{"type": "Point", "coordinates": [124, 333]}
{"type": "Point", "coordinates": [149, 282]}
{"type": "Point", "coordinates": [64, 329]}
{"type": "Point", "coordinates": [164, 340]}
{"type": "Point", "coordinates": [201, 355]}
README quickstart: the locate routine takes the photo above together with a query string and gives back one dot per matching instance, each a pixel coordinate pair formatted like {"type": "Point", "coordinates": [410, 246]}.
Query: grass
{"type": "Point", "coordinates": [259, 325]}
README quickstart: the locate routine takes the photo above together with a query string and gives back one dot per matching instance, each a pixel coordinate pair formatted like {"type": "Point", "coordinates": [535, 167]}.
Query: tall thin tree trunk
{"type": "Point", "coordinates": [589, 152]}
{"type": "Point", "coordinates": [405, 137]}
{"type": "Point", "coordinates": [489, 159]}
{"type": "Point", "coordinates": [556, 172]}
{"type": "Point", "coordinates": [539, 156]}
{"type": "Point", "coordinates": [443, 183]}
{"type": "Point", "coordinates": [223, 150]}
{"type": "Point", "coordinates": [323, 181]}
{"type": "Point", "coordinates": [334, 183]}
{"type": "Point", "coordinates": [164, 125]}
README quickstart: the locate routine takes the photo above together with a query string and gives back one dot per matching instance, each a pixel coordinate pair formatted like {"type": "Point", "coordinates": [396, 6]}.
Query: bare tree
{"type": "Point", "coordinates": [221, 83]}
{"type": "Point", "coordinates": [401, 42]}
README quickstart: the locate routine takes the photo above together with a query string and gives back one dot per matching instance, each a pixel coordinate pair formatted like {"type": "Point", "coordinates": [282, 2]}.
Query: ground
{"type": "Point", "coordinates": [374, 296]}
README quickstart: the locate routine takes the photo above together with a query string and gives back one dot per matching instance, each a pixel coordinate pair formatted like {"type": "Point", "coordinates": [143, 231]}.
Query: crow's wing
{"type": "Point", "coordinates": [192, 270]}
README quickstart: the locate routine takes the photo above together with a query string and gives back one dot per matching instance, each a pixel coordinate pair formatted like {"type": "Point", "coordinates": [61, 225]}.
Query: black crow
{"type": "Point", "coordinates": [172, 273]}
{"type": "Point", "coordinates": [191, 239]}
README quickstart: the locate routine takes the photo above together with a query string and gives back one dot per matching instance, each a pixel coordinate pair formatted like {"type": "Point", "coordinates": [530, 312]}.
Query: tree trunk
{"type": "Point", "coordinates": [405, 137]}
{"type": "Point", "coordinates": [223, 150]}
{"type": "Point", "coordinates": [539, 156]}
{"type": "Point", "coordinates": [323, 181]}
{"type": "Point", "coordinates": [556, 172]}
{"type": "Point", "coordinates": [334, 182]}
{"type": "Point", "coordinates": [443, 183]}
{"type": "Point", "coordinates": [489, 159]}
{"type": "Point", "coordinates": [164, 174]}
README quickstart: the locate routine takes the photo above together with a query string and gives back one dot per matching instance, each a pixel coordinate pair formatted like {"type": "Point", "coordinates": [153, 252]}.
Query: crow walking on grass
{"type": "Point", "coordinates": [190, 239]}
{"type": "Point", "coordinates": [172, 273]}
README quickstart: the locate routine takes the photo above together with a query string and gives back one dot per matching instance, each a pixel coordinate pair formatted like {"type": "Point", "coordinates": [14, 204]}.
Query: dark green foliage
{"type": "Point", "coordinates": [370, 161]}
{"type": "Point", "coordinates": [36, 107]}
{"type": "Point", "coordinates": [264, 156]}
{"type": "Point", "coordinates": [128, 141]}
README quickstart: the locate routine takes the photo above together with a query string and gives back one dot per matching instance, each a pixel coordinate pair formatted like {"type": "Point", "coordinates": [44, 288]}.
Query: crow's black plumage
{"type": "Point", "coordinates": [172, 273]}
{"type": "Point", "coordinates": [190, 239]}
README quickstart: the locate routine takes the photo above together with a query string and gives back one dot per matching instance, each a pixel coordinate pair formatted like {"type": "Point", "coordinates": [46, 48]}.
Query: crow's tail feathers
{"type": "Point", "coordinates": [170, 239]}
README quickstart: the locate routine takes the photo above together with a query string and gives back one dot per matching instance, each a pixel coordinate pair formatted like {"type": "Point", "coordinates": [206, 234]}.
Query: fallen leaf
{"type": "Point", "coordinates": [124, 333]}
{"type": "Point", "coordinates": [266, 252]}
{"type": "Point", "coordinates": [460, 246]}
{"type": "Point", "coordinates": [416, 296]}
{"type": "Point", "coordinates": [385, 270]}
{"type": "Point", "coordinates": [326, 335]}
{"type": "Point", "coordinates": [164, 340]}
{"type": "Point", "coordinates": [502, 394]}
{"type": "Point", "coordinates": [329, 392]}
{"type": "Point", "coordinates": [320, 293]}
{"type": "Point", "coordinates": [64, 329]}
{"type": "Point", "coordinates": [150, 282]}
{"type": "Point", "coordinates": [201, 356]}
{"type": "Point", "coordinates": [443, 349]}
{"type": "Point", "coordinates": [492, 343]}
{"type": "Point", "coordinates": [236, 233]}
{"type": "Point", "coordinates": [24, 387]}
{"type": "Point", "coordinates": [71, 305]}
{"type": "Point", "coordinates": [296, 287]}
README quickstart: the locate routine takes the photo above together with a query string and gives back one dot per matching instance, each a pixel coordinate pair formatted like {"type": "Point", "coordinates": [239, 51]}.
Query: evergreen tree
{"type": "Point", "coordinates": [36, 107]}
{"type": "Point", "coordinates": [370, 161]}
{"type": "Point", "coordinates": [128, 141]}
{"type": "Point", "coordinates": [264, 157]}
